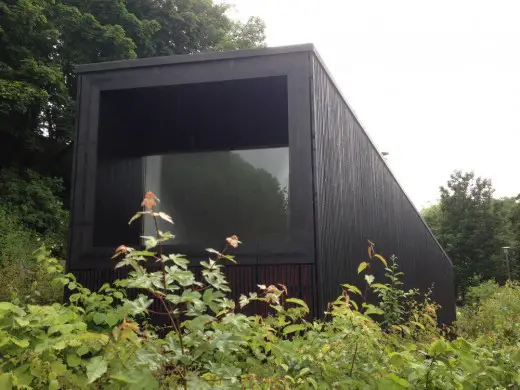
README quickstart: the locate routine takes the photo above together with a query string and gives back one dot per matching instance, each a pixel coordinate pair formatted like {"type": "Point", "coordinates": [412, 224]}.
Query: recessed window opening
{"type": "Point", "coordinates": [216, 154]}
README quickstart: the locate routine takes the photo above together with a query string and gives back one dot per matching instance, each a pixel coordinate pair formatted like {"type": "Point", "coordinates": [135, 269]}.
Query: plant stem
{"type": "Point", "coordinates": [427, 384]}
{"type": "Point", "coordinates": [164, 303]}
{"type": "Point", "coordinates": [353, 359]}
{"type": "Point", "coordinates": [159, 244]}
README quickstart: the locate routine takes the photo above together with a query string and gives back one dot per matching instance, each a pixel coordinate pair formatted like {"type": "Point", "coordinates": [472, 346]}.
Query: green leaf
{"type": "Point", "coordinates": [6, 382]}
{"type": "Point", "coordinates": [515, 356]}
{"type": "Point", "coordinates": [83, 350]}
{"type": "Point", "coordinates": [179, 260]}
{"type": "Point", "coordinates": [149, 242]}
{"type": "Point", "coordinates": [371, 309]}
{"type": "Point", "coordinates": [380, 286]}
{"type": "Point", "coordinates": [54, 385]}
{"type": "Point", "coordinates": [111, 319]}
{"type": "Point", "coordinates": [469, 364]}
{"type": "Point", "coordinates": [164, 216]}
{"type": "Point", "coordinates": [230, 258]}
{"type": "Point", "coordinates": [136, 216]}
{"type": "Point", "coordinates": [418, 324]}
{"type": "Point", "coordinates": [352, 289]}
{"type": "Point", "coordinates": [22, 376]}
{"type": "Point", "coordinates": [293, 328]}
{"type": "Point", "coordinates": [73, 360]}
{"type": "Point", "coordinates": [96, 367]}
{"type": "Point", "coordinates": [438, 347]}
{"type": "Point", "coordinates": [369, 279]}
{"type": "Point", "coordinates": [313, 382]}
{"type": "Point", "coordinates": [381, 259]}
{"type": "Point", "coordinates": [298, 302]}
{"type": "Point", "coordinates": [58, 367]}
{"type": "Point", "coordinates": [99, 318]}
{"type": "Point", "coordinates": [22, 343]}
{"type": "Point", "coordinates": [22, 321]}
{"type": "Point", "coordinates": [393, 382]}
{"type": "Point", "coordinates": [362, 266]}
{"type": "Point", "coordinates": [397, 359]}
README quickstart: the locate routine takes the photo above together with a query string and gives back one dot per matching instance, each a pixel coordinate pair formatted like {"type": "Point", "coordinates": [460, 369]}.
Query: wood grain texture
{"type": "Point", "coordinates": [242, 279]}
{"type": "Point", "coordinates": [358, 199]}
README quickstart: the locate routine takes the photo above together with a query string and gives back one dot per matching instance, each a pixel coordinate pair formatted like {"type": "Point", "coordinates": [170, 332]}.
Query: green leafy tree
{"type": "Point", "coordinates": [468, 226]}
{"type": "Point", "coordinates": [42, 40]}
{"type": "Point", "coordinates": [514, 218]}
{"type": "Point", "coordinates": [35, 199]}
{"type": "Point", "coordinates": [504, 208]}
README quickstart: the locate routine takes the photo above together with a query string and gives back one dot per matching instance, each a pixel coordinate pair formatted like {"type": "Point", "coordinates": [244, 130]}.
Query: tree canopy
{"type": "Point", "coordinates": [42, 40]}
{"type": "Point", "coordinates": [473, 227]}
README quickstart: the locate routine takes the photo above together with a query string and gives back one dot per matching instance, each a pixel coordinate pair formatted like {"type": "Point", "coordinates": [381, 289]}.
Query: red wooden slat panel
{"type": "Point", "coordinates": [298, 278]}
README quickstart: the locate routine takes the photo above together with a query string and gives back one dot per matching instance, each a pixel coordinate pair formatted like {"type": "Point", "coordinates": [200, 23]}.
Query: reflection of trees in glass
{"type": "Point", "coordinates": [285, 193]}
{"type": "Point", "coordinates": [211, 195]}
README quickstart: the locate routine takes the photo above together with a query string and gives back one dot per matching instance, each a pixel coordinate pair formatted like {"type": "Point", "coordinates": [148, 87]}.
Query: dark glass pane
{"type": "Point", "coordinates": [212, 195]}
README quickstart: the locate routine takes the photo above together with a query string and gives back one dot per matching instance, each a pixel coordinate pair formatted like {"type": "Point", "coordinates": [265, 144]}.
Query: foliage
{"type": "Point", "coordinates": [22, 276]}
{"type": "Point", "coordinates": [497, 309]}
{"type": "Point", "coordinates": [473, 227]}
{"type": "Point", "coordinates": [41, 41]}
{"type": "Point", "coordinates": [514, 218]}
{"type": "Point", "coordinates": [36, 201]}
{"type": "Point", "coordinates": [16, 247]}
{"type": "Point", "coordinates": [30, 212]}
{"type": "Point", "coordinates": [103, 339]}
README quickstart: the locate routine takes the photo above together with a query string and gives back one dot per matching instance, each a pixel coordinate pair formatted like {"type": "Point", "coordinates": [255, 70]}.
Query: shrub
{"type": "Point", "coordinates": [492, 318]}
{"type": "Point", "coordinates": [35, 201]}
{"type": "Point", "coordinates": [23, 277]}
{"type": "Point", "coordinates": [103, 340]}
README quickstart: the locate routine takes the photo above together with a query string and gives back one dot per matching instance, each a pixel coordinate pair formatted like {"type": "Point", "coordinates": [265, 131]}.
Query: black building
{"type": "Point", "coordinates": [258, 143]}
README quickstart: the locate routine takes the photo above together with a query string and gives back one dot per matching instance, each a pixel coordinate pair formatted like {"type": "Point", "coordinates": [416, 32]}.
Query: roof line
{"type": "Point", "coordinates": [188, 58]}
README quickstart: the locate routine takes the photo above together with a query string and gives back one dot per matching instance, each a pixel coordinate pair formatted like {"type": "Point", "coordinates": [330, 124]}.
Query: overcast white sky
{"type": "Point", "coordinates": [436, 84]}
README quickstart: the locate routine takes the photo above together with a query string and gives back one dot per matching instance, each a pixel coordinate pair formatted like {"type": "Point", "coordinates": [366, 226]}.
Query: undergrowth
{"type": "Point", "coordinates": [103, 340]}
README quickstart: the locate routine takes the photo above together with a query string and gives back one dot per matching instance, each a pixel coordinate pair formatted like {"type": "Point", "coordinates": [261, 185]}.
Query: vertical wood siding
{"type": "Point", "coordinates": [358, 199]}
{"type": "Point", "coordinates": [242, 279]}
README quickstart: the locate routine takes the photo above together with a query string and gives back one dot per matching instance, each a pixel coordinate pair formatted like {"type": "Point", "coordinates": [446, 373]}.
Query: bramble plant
{"type": "Point", "coordinates": [104, 339]}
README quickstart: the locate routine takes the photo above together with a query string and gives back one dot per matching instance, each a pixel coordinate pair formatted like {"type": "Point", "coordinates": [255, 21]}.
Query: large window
{"type": "Point", "coordinates": [216, 154]}
{"type": "Point", "coordinates": [211, 195]}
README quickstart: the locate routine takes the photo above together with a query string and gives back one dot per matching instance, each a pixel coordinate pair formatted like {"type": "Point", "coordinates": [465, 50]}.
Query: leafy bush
{"type": "Point", "coordinates": [35, 201]}
{"type": "Point", "coordinates": [103, 339]}
{"type": "Point", "coordinates": [22, 278]}
{"type": "Point", "coordinates": [30, 212]}
{"type": "Point", "coordinates": [497, 309]}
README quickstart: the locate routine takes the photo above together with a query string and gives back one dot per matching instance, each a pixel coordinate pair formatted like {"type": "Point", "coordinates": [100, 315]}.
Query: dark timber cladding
{"type": "Point", "coordinates": [358, 198]}
{"type": "Point", "coordinates": [255, 125]}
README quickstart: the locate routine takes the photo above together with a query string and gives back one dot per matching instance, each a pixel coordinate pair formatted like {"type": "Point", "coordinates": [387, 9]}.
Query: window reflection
{"type": "Point", "coordinates": [211, 195]}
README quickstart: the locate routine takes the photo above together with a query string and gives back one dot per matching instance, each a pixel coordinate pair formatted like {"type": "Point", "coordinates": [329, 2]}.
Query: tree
{"type": "Point", "coordinates": [469, 226]}
{"type": "Point", "coordinates": [41, 41]}
{"type": "Point", "coordinates": [514, 218]}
